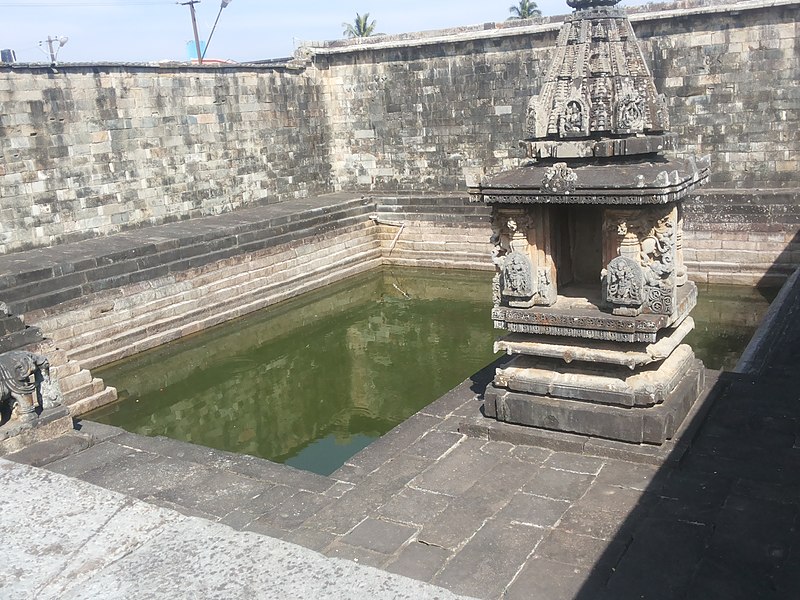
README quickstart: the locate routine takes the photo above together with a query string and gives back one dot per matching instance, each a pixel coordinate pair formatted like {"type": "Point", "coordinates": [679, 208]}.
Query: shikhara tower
{"type": "Point", "coordinates": [587, 236]}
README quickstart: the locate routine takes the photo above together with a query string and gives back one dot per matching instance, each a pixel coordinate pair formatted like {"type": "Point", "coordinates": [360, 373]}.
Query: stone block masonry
{"type": "Point", "coordinates": [103, 299]}
{"type": "Point", "coordinates": [96, 149]}
{"type": "Point", "coordinates": [441, 104]}
{"type": "Point", "coordinates": [91, 150]}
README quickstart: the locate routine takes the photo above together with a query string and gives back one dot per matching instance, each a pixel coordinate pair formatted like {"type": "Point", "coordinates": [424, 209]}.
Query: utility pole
{"type": "Point", "coordinates": [50, 41]}
{"type": "Point", "coordinates": [53, 51]}
{"type": "Point", "coordinates": [191, 4]}
{"type": "Point", "coordinates": [223, 4]}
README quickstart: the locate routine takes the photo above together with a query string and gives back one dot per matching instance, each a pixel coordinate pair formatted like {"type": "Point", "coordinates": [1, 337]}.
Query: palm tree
{"type": "Point", "coordinates": [525, 10]}
{"type": "Point", "coordinates": [360, 27]}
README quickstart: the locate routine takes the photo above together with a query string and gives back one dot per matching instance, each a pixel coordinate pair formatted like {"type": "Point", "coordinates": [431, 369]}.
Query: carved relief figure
{"type": "Point", "coordinates": [573, 121]}
{"type": "Point", "coordinates": [559, 179]}
{"type": "Point", "coordinates": [624, 282]}
{"type": "Point", "coordinates": [630, 112]}
{"type": "Point", "coordinates": [658, 251]}
{"type": "Point", "coordinates": [24, 376]}
{"type": "Point", "coordinates": [517, 279]}
{"type": "Point", "coordinates": [648, 239]}
{"type": "Point", "coordinates": [546, 290]}
{"type": "Point", "coordinates": [573, 117]}
{"type": "Point", "coordinates": [530, 116]}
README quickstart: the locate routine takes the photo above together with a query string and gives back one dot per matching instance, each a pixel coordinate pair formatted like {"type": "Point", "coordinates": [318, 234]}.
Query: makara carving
{"type": "Point", "coordinates": [25, 382]}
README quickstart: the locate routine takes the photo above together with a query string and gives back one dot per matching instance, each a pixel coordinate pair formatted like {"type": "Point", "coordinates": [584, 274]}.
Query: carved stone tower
{"type": "Point", "coordinates": [587, 236]}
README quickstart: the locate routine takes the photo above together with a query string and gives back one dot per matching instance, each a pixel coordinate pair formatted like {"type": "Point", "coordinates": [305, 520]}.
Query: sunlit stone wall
{"type": "Point", "coordinates": [93, 149]}
{"type": "Point", "coordinates": [424, 111]}
{"type": "Point", "coordinates": [89, 150]}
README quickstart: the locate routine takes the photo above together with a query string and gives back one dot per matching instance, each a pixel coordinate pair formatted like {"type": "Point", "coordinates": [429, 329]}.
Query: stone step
{"type": "Point", "coordinates": [75, 381]}
{"type": "Point", "coordinates": [106, 396]}
{"type": "Point", "coordinates": [125, 331]}
{"type": "Point", "coordinates": [185, 326]}
{"type": "Point", "coordinates": [143, 300]}
{"type": "Point", "coordinates": [43, 453]}
{"type": "Point", "coordinates": [85, 390]}
{"type": "Point", "coordinates": [10, 325]}
{"type": "Point", "coordinates": [51, 287]}
{"type": "Point", "coordinates": [65, 370]}
{"type": "Point", "coordinates": [205, 286]}
{"type": "Point", "coordinates": [154, 320]}
{"type": "Point", "coordinates": [17, 340]}
{"type": "Point", "coordinates": [244, 230]}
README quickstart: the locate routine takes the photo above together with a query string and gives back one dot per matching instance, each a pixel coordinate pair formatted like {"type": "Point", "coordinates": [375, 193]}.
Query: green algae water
{"type": "Point", "coordinates": [726, 317]}
{"type": "Point", "coordinates": [312, 381]}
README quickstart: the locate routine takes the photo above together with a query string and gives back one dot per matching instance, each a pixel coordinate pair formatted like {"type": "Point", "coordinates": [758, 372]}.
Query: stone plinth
{"type": "Point", "coordinates": [16, 435]}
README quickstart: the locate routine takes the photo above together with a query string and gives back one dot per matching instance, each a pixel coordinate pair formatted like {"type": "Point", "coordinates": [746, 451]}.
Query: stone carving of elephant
{"type": "Point", "coordinates": [24, 378]}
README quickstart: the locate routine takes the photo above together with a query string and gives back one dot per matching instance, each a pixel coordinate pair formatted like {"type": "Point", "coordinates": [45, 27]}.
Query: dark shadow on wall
{"type": "Point", "coordinates": [784, 264]}
{"type": "Point", "coordinates": [723, 522]}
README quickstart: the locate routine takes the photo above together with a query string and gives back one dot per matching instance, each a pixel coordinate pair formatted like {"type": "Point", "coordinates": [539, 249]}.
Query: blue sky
{"type": "Point", "coordinates": [151, 30]}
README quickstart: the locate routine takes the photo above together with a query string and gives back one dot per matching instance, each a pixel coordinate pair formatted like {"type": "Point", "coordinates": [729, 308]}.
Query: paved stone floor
{"type": "Point", "coordinates": [494, 520]}
{"type": "Point", "coordinates": [67, 539]}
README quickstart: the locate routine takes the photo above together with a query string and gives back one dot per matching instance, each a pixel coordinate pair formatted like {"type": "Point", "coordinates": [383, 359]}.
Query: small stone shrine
{"type": "Point", "coordinates": [587, 236]}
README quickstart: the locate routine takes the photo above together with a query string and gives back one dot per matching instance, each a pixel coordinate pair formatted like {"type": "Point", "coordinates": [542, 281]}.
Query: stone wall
{"type": "Point", "coordinates": [92, 150]}
{"type": "Point", "coordinates": [89, 150]}
{"type": "Point", "coordinates": [419, 113]}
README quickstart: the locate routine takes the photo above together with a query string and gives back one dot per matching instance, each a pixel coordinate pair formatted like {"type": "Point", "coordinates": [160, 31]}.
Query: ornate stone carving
{"type": "Point", "coordinates": [514, 282]}
{"type": "Point", "coordinates": [630, 113]}
{"type": "Point", "coordinates": [517, 276]}
{"type": "Point", "coordinates": [574, 119]}
{"type": "Point", "coordinates": [597, 104]}
{"type": "Point", "coordinates": [648, 238]}
{"type": "Point", "coordinates": [24, 381]}
{"type": "Point", "coordinates": [546, 290]}
{"type": "Point", "coordinates": [497, 296]}
{"type": "Point", "coordinates": [559, 179]}
{"type": "Point", "coordinates": [530, 117]}
{"type": "Point", "coordinates": [624, 282]}
{"type": "Point", "coordinates": [660, 301]}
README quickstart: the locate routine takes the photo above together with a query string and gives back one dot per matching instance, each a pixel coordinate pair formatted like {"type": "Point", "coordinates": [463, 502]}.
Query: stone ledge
{"type": "Point", "coordinates": [41, 278]}
{"type": "Point", "coordinates": [671, 452]}
{"type": "Point", "coordinates": [503, 29]}
{"type": "Point", "coordinates": [52, 423]}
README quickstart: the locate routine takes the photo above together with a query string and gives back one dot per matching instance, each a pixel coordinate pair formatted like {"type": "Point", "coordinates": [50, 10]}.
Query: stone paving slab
{"type": "Point", "coordinates": [78, 541]}
{"type": "Point", "coordinates": [493, 519]}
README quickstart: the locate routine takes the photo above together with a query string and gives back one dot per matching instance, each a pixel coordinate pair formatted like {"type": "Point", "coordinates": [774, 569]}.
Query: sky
{"type": "Point", "coordinates": [153, 30]}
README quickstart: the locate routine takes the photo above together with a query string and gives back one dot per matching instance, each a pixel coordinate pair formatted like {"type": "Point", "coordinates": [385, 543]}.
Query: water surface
{"type": "Point", "coordinates": [312, 381]}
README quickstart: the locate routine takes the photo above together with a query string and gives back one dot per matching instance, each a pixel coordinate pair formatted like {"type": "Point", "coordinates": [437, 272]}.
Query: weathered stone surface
{"type": "Point", "coordinates": [379, 536]}
{"type": "Point", "coordinates": [559, 485]}
{"type": "Point", "coordinates": [15, 436]}
{"type": "Point", "coordinates": [102, 544]}
{"type": "Point", "coordinates": [490, 558]}
{"type": "Point", "coordinates": [594, 419]}
{"type": "Point", "coordinates": [597, 382]}
{"type": "Point", "coordinates": [419, 561]}
{"type": "Point", "coordinates": [355, 133]}
{"type": "Point", "coordinates": [717, 524]}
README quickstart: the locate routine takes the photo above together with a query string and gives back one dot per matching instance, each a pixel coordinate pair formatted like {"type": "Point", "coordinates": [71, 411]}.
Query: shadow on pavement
{"type": "Point", "coordinates": [723, 522]}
